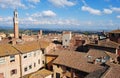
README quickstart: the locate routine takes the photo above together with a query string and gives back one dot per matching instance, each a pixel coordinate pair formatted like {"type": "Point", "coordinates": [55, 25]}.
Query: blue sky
{"type": "Point", "coordinates": [62, 14]}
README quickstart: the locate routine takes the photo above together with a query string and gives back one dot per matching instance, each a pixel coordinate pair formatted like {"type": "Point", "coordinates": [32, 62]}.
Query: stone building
{"type": "Point", "coordinates": [115, 36]}
{"type": "Point", "coordinates": [9, 62]}
{"type": "Point", "coordinates": [66, 38]}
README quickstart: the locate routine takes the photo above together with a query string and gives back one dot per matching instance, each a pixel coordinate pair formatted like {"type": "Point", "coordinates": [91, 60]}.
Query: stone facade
{"type": "Point", "coordinates": [10, 66]}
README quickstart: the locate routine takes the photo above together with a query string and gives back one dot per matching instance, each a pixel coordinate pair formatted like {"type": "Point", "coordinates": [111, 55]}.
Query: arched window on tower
{"type": "Point", "coordinates": [16, 15]}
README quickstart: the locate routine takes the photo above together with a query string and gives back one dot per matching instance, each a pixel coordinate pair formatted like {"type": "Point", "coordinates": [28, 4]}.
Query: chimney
{"type": "Point", "coordinates": [13, 42]}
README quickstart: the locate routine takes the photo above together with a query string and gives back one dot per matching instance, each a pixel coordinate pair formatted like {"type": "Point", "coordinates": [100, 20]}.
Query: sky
{"type": "Point", "coordinates": [62, 14]}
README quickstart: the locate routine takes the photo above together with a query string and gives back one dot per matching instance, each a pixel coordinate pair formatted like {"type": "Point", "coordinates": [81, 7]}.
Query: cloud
{"type": "Point", "coordinates": [56, 22]}
{"type": "Point", "coordinates": [107, 11]}
{"type": "Point", "coordinates": [6, 21]}
{"type": "Point", "coordinates": [47, 21]}
{"type": "Point", "coordinates": [47, 13]}
{"type": "Point", "coordinates": [1, 19]}
{"type": "Point", "coordinates": [34, 1]}
{"type": "Point", "coordinates": [118, 16]}
{"type": "Point", "coordinates": [115, 9]}
{"type": "Point", "coordinates": [62, 3]}
{"type": "Point", "coordinates": [91, 10]}
{"type": "Point", "coordinates": [11, 4]}
{"type": "Point", "coordinates": [31, 6]}
{"type": "Point", "coordinates": [36, 22]}
{"type": "Point", "coordinates": [83, 1]}
{"type": "Point", "coordinates": [18, 4]}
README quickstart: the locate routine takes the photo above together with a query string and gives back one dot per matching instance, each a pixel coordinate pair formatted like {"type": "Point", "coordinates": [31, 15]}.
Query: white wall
{"type": "Point", "coordinates": [66, 39]}
{"type": "Point", "coordinates": [32, 57]}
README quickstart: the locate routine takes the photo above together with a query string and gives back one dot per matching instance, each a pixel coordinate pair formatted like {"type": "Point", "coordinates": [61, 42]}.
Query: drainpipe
{"type": "Point", "coordinates": [71, 73]}
{"type": "Point", "coordinates": [20, 57]}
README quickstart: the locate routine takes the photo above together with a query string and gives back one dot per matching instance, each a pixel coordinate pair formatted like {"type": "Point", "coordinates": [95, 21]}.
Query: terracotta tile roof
{"type": "Point", "coordinates": [31, 46]}
{"type": "Point", "coordinates": [96, 53]}
{"type": "Point", "coordinates": [108, 43]}
{"type": "Point", "coordinates": [4, 41]}
{"type": "Point", "coordinates": [27, 47]}
{"type": "Point", "coordinates": [7, 49]}
{"type": "Point", "coordinates": [115, 31]}
{"type": "Point", "coordinates": [76, 60]}
{"type": "Point", "coordinates": [113, 72]}
{"type": "Point", "coordinates": [41, 74]}
{"type": "Point", "coordinates": [44, 44]}
{"type": "Point", "coordinates": [97, 74]}
{"type": "Point", "coordinates": [112, 55]}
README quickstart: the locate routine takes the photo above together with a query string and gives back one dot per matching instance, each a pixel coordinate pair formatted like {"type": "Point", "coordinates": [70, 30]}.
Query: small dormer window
{"type": "Point", "coordinates": [12, 58]}
{"type": "Point", "coordinates": [2, 60]}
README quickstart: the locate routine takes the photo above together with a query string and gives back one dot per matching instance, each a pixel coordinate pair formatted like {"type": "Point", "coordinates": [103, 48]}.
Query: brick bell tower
{"type": "Point", "coordinates": [15, 21]}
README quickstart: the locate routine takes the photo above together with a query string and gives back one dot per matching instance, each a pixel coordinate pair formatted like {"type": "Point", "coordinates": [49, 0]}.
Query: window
{"type": "Point", "coordinates": [29, 55]}
{"type": "Point", "coordinates": [57, 66]}
{"type": "Point", "coordinates": [113, 35]}
{"type": "Point", "coordinates": [16, 15]}
{"type": "Point", "coordinates": [43, 62]}
{"type": "Point", "coordinates": [34, 53]}
{"type": "Point", "coordinates": [25, 69]}
{"type": "Point", "coordinates": [52, 75]}
{"type": "Point", "coordinates": [2, 60]}
{"type": "Point", "coordinates": [25, 56]}
{"type": "Point", "coordinates": [57, 75]}
{"type": "Point", "coordinates": [30, 66]}
{"type": "Point", "coordinates": [42, 52]}
{"type": "Point", "coordinates": [34, 64]}
{"type": "Point", "coordinates": [65, 40]}
{"type": "Point", "coordinates": [68, 69]}
{"type": "Point", "coordinates": [12, 58]}
{"type": "Point", "coordinates": [14, 71]}
{"type": "Point", "coordinates": [39, 61]}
